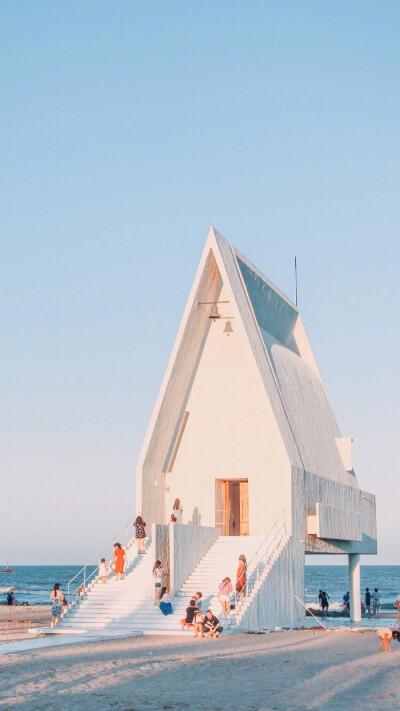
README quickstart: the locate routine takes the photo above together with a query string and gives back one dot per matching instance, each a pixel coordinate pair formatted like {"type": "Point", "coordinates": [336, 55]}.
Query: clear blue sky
{"type": "Point", "coordinates": [126, 130]}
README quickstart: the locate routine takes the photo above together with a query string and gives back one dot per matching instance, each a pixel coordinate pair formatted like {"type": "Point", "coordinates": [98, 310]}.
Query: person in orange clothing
{"type": "Point", "coordinates": [241, 577]}
{"type": "Point", "coordinates": [119, 560]}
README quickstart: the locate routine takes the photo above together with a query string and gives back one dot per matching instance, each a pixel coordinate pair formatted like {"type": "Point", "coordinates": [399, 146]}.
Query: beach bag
{"type": "Point", "coordinates": [166, 608]}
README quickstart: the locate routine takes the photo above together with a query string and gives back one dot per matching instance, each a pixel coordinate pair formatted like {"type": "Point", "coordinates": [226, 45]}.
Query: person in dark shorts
{"type": "Point", "coordinates": [211, 625]}
{"type": "Point", "coordinates": [190, 613]}
{"type": "Point", "coordinates": [324, 603]}
{"type": "Point", "coordinates": [367, 600]}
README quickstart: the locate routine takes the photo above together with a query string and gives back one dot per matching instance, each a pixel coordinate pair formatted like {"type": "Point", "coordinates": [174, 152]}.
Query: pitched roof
{"type": "Point", "coordinates": [279, 345]}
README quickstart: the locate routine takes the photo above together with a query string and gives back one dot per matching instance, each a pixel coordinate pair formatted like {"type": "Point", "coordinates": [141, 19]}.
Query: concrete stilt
{"type": "Point", "coordinates": [355, 587]}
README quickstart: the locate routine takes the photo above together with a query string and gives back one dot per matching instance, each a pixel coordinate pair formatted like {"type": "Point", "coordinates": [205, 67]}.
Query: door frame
{"type": "Point", "coordinates": [222, 500]}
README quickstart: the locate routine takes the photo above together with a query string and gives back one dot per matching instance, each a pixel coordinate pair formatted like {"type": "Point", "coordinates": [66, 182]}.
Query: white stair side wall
{"type": "Point", "coordinates": [188, 545]}
{"type": "Point", "coordinates": [274, 605]}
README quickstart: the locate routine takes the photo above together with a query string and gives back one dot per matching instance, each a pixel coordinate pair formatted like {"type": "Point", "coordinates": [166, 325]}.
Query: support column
{"type": "Point", "coordinates": [355, 587]}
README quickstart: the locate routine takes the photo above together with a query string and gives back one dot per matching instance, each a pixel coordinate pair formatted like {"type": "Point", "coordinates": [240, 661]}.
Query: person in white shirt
{"type": "Point", "coordinates": [157, 576]}
{"type": "Point", "coordinates": [177, 511]}
{"type": "Point", "coordinates": [103, 571]}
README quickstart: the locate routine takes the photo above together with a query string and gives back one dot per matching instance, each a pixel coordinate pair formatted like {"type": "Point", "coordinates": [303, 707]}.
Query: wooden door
{"type": "Point", "coordinates": [222, 506]}
{"type": "Point", "coordinates": [244, 508]}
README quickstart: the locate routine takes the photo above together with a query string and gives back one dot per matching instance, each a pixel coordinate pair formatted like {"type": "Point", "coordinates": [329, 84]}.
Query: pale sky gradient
{"type": "Point", "coordinates": [126, 130]}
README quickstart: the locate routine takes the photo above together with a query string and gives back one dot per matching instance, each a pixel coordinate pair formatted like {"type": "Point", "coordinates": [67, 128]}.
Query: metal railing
{"type": "Point", "coordinates": [263, 556]}
{"type": "Point", "coordinates": [84, 576]}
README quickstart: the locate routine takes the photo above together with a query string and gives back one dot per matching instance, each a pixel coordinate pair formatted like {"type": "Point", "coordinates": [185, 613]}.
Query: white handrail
{"type": "Point", "coordinates": [276, 531]}
{"type": "Point", "coordinates": [96, 557]}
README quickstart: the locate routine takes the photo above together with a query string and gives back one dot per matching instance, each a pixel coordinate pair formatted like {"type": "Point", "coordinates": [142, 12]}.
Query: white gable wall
{"type": "Point", "coordinates": [231, 433]}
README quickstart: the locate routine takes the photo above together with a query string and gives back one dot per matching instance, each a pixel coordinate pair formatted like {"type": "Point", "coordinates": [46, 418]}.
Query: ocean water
{"type": "Point", "coordinates": [334, 579]}
{"type": "Point", "coordinates": [33, 584]}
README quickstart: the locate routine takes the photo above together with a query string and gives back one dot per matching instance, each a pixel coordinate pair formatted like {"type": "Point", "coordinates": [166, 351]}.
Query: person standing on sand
{"type": "Point", "coordinates": [57, 598]}
{"type": "Point", "coordinates": [140, 528]}
{"type": "Point", "coordinates": [367, 600]}
{"type": "Point", "coordinates": [119, 560]}
{"type": "Point", "coordinates": [324, 597]}
{"type": "Point", "coordinates": [177, 511]}
{"type": "Point", "coordinates": [376, 602]}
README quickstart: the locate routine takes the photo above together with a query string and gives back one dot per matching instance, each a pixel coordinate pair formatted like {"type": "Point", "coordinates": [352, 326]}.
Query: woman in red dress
{"type": "Point", "coordinates": [241, 577]}
{"type": "Point", "coordinates": [119, 560]}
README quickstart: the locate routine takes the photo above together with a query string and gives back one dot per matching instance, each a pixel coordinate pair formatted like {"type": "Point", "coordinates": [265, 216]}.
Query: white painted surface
{"type": "Point", "coordinates": [338, 523]}
{"type": "Point", "coordinates": [188, 545]}
{"type": "Point", "coordinates": [231, 433]}
{"type": "Point", "coordinates": [344, 445]}
{"type": "Point", "coordinates": [355, 587]}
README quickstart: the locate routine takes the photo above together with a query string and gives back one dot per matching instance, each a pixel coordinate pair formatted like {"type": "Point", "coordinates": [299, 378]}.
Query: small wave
{"type": "Point", "coordinates": [6, 590]}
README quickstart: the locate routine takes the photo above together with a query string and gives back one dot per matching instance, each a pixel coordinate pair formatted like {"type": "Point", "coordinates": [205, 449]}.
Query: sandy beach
{"type": "Point", "coordinates": [15, 621]}
{"type": "Point", "coordinates": [283, 671]}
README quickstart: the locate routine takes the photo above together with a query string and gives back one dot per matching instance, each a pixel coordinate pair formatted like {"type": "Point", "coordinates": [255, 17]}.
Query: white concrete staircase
{"type": "Point", "coordinates": [128, 605]}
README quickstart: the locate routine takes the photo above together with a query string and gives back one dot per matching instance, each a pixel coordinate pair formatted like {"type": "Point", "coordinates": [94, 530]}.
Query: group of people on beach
{"type": "Point", "coordinates": [371, 600]}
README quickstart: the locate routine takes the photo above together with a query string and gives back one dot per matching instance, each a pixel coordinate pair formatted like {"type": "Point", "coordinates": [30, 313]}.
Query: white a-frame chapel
{"type": "Point", "coordinates": [243, 434]}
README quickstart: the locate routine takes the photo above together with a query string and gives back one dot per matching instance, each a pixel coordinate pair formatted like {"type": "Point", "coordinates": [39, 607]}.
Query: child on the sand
{"type": "Point", "coordinates": [385, 635]}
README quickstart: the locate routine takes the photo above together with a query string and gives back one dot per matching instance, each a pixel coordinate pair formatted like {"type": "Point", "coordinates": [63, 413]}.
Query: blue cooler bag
{"type": "Point", "coordinates": [166, 608]}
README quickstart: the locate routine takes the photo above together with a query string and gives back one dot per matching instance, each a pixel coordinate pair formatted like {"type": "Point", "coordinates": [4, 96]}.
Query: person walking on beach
{"type": "Point", "coordinates": [376, 601]}
{"type": "Point", "coordinates": [319, 598]}
{"type": "Point", "coordinates": [157, 577]}
{"type": "Point", "coordinates": [367, 600]}
{"type": "Point", "coordinates": [224, 590]}
{"type": "Point", "coordinates": [241, 576]}
{"type": "Point", "coordinates": [57, 598]}
{"type": "Point", "coordinates": [119, 560]}
{"type": "Point", "coordinates": [177, 511]}
{"type": "Point", "coordinates": [140, 528]}
{"type": "Point", "coordinates": [324, 603]}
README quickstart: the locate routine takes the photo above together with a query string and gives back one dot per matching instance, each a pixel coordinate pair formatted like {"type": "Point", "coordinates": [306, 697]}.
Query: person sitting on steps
{"type": "Point", "coordinates": [190, 614]}
{"type": "Point", "coordinates": [211, 625]}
